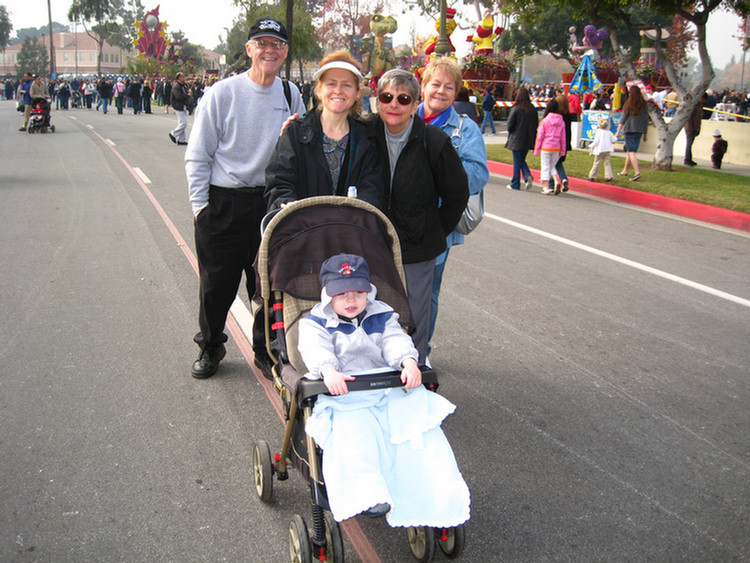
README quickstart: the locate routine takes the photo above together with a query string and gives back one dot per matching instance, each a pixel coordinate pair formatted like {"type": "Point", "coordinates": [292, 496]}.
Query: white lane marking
{"type": "Point", "coordinates": [111, 142]}
{"type": "Point", "coordinates": [626, 262]}
{"type": "Point", "coordinates": [90, 126]}
{"type": "Point", "coordinates": [141, 175]}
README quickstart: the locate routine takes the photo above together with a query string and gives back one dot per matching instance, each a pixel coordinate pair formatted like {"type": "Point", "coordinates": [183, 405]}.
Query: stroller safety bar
{"type": "Point", "coordinates": [311, 387]}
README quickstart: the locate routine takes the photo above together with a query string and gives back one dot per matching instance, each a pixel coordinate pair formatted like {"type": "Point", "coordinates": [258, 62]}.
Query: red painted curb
{"type": "Point", "coordinates": [681, 207]}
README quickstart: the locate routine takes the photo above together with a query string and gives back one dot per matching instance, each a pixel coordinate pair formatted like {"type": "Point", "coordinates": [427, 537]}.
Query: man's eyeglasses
{"type": "Point", "coordinates": [387, 98]}
{"type": "Point", "coordinates": [264, 43]}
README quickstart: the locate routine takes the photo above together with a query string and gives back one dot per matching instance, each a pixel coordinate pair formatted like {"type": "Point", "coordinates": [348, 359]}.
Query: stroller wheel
{"type": "Point", "coordinates": [31, 130]}
{"type": "Point", "coordinates": [334, 543]}
{"type": "Point", "coordinates": [299, 541]}
{"type": "Point", "coordinates": [263, 471]}
{"type": "Point", "coordinates": [451, 540]}
{"type": "Point", "coordinates": [422, 543]}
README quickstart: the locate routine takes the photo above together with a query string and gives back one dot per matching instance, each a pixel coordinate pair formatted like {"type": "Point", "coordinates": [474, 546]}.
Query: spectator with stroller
{"type": "Point", "coordinates": [364, 433]}
{"type": "Point", "coordinates": [235, 130]}
{"type": "Point", "coordinates": [427, 189]}
{"type": "Point", "coordinates": [179, 96]}
{"type": "Point", "coordinates": [24, 93]}
{"type": "Point", "coordinates": [331, 148]}
{"type": "Point", "coordinates": [522, 123]}
{"type": "Point", "coordinates": [441, 83]}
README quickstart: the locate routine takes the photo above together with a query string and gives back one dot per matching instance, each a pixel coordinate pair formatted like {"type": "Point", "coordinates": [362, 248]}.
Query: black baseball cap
{"type": "Point", "coordinates": [266, 27]}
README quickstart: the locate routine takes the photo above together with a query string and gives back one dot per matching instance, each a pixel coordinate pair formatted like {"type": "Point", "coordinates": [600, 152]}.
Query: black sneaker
{"type": "Point", "coordinates": [565, 185]}
{"type": "Point", "coordinates": [171, 138]}
{"type": "Point", "coordinates": [208, 361]}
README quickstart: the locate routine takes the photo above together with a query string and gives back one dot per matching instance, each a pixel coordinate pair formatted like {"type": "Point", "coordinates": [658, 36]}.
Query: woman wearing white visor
{"type": "Point", "coordinates": [331, 149]}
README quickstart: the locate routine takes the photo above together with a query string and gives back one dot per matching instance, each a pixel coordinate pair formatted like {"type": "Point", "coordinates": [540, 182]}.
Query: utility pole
{"type": "Point", "coordinates": [51, 43]}
{"type": "Point", "coordinates": [744, 52]}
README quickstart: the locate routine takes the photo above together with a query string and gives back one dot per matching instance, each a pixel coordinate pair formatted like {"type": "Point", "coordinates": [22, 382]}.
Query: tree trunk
{"type": "Point", "coordinates": [666, 133]}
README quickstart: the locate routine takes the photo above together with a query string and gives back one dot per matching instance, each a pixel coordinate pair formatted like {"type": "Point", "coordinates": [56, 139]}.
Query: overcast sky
{"type": "Point", "coordinates": [203, 23]}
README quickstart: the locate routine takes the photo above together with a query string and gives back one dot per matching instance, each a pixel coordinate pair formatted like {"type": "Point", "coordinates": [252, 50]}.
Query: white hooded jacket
{"type": "Point", "coordinates": [373, 340]}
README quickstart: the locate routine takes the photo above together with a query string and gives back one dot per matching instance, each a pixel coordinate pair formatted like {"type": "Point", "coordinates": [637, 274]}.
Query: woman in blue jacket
{"type": "Point", "coordinates": [440, 83]}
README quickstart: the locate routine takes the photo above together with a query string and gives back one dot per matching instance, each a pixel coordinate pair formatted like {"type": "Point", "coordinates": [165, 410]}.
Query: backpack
{"type": "Point", "coordinates": [474, 211]}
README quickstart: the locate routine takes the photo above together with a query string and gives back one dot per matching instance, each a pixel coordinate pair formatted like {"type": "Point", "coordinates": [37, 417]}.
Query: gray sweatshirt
{"type": "Point", "coordinates": [237, 123]}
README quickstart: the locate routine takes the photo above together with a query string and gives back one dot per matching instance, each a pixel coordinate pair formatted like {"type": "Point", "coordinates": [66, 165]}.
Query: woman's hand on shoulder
{"type": "Point", "coordinates": [287, 122]}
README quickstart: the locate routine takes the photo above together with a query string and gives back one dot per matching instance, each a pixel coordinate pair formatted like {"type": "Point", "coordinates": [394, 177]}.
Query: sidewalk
{"type": "Point", "coordinates": [683, 208]}
{"type": "Point", "coordinates": [502, 136]}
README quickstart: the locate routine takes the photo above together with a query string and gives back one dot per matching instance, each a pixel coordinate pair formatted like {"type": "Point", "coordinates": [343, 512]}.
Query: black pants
{"type": "Point", "coordinates": [227, 237]}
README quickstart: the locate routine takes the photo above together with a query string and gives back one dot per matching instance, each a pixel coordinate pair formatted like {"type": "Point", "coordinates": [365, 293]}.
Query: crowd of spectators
{"type": "Point", "coordinates": [138, 94]}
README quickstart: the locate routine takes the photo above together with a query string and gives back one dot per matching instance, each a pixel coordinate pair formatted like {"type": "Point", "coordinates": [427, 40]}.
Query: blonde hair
{"type": "Point", "coordinates": [346, 57]}
{"type": "Point", "coordinates": [447, 65]}
{"type": "Point", "coordinates": [603, 123]}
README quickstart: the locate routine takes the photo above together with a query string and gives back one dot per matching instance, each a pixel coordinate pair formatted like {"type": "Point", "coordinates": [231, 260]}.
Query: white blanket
{"type": "Point", "coordinates": [387, 446]}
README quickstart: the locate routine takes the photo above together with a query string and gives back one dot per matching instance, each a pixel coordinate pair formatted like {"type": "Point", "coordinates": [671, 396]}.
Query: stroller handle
{"type": "Point", "coordinates": [311, 387]}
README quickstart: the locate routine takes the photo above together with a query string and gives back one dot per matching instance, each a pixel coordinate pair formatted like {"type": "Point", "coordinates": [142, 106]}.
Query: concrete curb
{"type": "Point", "coordinates": [681, 207]}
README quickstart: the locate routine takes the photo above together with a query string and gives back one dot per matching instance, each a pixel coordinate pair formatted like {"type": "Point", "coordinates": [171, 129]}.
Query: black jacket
{"type": "Point", "coordinates": [429, 191]}
{"type": "Point", "coordinates": [179, 94]}
{"type": "Point", "coordinates": [298, 168]}
{"type": "Point", "coordinates": [521, 129]}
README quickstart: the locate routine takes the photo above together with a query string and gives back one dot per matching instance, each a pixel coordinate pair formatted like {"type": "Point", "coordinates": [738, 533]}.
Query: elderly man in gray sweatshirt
{"type": "Point", "coordinates": [234, 132]}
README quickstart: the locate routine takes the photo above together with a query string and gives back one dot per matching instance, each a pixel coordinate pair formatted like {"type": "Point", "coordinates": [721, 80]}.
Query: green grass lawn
{"type": "Point", "coordinates": [701, 185]}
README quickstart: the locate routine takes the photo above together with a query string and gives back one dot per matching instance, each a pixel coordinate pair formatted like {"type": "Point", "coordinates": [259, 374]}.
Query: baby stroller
{"type": "Point", "coordinates": [39, 120]}
{"type": "Point", "coordinates": [295, 243]}
{"type": "Point", "coordinates": [75, 99]}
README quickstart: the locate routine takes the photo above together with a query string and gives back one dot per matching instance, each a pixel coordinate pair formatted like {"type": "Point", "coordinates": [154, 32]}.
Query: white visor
{"type": "Point", "coordinates": [338, 64]}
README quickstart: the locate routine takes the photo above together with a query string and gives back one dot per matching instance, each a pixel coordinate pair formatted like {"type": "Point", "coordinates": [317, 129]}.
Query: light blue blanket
{"type": "Point", "coordinates": [387, 446]}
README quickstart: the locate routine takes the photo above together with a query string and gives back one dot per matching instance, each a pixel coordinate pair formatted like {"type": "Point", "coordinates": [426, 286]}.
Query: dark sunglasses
{"type": "Point", "coordinates": [387, 98]}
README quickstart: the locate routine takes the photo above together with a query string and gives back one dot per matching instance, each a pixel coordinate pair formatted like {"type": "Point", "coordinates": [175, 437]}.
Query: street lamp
{"type": "Point", "coordinates": [443, 46]}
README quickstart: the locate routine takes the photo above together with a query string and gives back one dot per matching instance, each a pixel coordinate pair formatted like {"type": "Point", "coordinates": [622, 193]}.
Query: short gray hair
{"type": "Point", "coordinates": [400, 79]}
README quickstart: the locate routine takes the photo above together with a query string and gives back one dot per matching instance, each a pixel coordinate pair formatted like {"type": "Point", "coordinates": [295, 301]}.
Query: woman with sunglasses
{"type": "Point", "coordinates": [330, 149]}
{"type": "Point", "coordinates": [426, 193]}
{"type": "Point", "coordinates": [441, 83]}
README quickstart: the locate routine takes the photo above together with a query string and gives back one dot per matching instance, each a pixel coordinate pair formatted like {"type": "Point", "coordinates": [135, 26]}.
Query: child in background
{"type": "Point", "coordinates": [550, 144]}
{"type": "Point", "coordinates": [383, 450]}
{"type": "Point", "coordinates": [718, 149]}
{"type": "Point", "coordinates": [601, 148]}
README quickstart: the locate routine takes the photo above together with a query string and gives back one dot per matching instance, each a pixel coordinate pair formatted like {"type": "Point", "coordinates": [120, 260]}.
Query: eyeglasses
{"type": "Point", "coordinates": [263, 43]}
{"type": "Point", "coordinates": [387, 98]}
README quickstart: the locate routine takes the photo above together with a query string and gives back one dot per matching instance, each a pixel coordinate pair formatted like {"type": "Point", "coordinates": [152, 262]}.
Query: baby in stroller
{"type": "Point", "coordinates": [39, 119]}
{"type": "Point", "coordinates": [384, 450]}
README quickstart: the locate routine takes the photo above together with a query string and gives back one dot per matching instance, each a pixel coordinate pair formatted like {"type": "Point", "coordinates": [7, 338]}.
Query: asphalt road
{"type": "Point", "coordinates": [597, 353]}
